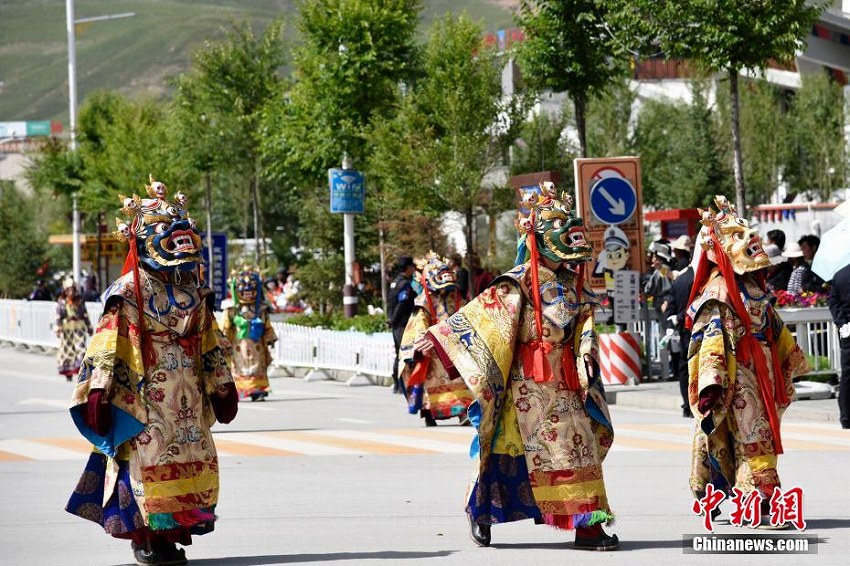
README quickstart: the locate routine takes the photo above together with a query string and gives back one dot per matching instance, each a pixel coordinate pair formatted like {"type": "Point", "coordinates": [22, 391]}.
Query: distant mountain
{"type": "Point", "coordinates": [134, 55]}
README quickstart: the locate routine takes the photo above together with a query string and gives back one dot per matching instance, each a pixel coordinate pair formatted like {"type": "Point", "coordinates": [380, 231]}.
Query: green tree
{"type": "Point", "coordinates": [719, 36]}
{"type": "Point", "coordinates": [230, 83]}
{"type": "Point", "coordinates": [568, 48]}
{"type": "Point", "coordinates": [541, 146]}
{"type": "Point", "coordinates": [348, 67]}
{"type": "Point", "coordinates": [816, 161]}
{"type": "Point", "coordinates": [22, 243]}
{"type": "Point", "coordinates": [460, 93]}
{"type": "Point", "coordinates": [121, 142]}
{"type": "Point", "coordinates": [682, 155]}
{"type": "Point", "coordinates": [352, 57]}
{"type": "Point", "coordinates": [764, 137]}
{"type": "Point", "coordinates": [609, 117]}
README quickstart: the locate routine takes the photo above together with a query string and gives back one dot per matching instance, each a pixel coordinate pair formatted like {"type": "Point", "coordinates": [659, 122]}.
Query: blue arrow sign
{"type": "Point", "coordinates": [613, 200]}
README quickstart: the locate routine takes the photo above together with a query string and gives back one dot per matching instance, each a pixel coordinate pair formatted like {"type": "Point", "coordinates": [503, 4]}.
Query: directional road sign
{"type": "Point", "coordinates": [613, 200]}
{"type": "Point", "coordinates": [608, 194]}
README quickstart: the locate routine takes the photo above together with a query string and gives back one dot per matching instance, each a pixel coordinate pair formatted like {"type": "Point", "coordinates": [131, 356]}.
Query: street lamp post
{"type": "Point", "coordinates": [70, 22]}
{"type": "Point", "coordinates": [72, 107]}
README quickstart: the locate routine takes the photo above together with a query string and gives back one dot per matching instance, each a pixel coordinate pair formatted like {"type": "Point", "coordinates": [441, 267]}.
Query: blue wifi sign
{"type": "Point", "coordinates": [613, 199]}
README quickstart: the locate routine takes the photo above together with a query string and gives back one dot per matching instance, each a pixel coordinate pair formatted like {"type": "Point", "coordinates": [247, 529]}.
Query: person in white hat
{"type": "Point", "coordinates": [799, 268]}
{"type": "Point", "coordinates": [682, 247]}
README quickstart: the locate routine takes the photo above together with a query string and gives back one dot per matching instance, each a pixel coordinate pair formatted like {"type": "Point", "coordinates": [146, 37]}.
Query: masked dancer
{"type": "Point", "coordinates": [741, 361]}
{"type": "Point", "coordinates": [526, 348]}
{"type": "Point", "coordinates": [430, 391]}
{"type": "Point", "coordinates": [154, 380]}
{"type": "Point", "coordinates": [248, 328]}
{"type": "Point", "coordinates": [72, 327]}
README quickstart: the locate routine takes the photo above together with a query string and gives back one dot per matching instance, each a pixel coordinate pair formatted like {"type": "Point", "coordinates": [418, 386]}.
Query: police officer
{"type": "Point", "coordinates": [399, 307]}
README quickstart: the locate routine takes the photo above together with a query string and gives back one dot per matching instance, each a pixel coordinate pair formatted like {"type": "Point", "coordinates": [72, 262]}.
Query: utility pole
{"type": "Point", "coordinates": [349, 293]}
{"type": "Point", "coordinates": [72, 107]}
{"type": "Point", "coordinates": [70, 22]}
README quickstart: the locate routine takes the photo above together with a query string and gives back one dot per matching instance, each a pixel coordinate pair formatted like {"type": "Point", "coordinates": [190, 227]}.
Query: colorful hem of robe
{"type": "Point", "coordinates": [733, 444]}
{"type": "Point", "coordinates": [443, 396]}
{"type": "Point", "coordinates": [159, 448]}
{"type": "Point", "coordinates": [251, 336]}
{"type": "Point", "coordinates": [541, 444]}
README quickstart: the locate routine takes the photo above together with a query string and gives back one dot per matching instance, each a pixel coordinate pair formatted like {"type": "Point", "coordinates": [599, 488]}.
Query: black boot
{"type": "Point", "coordinates": [594, 538]}
{"type": "Point", "coordinates": [429, 418]}
{"type": "Point", "coordinates": [159, 553]}
{"type": "Point", "coordinates": [686, 412]}
{"type": "Point", "coordinates": [480, 534]}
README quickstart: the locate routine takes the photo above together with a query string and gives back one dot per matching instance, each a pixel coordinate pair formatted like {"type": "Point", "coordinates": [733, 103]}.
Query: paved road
{"type": "Point", "coordinates": [324, 473]}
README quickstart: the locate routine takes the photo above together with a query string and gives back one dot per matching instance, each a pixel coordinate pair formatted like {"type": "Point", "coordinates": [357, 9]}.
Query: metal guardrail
{"type": "Point", "coordinates": [320, 349]}
{"type": "Point", "coordinates": [31, 323]}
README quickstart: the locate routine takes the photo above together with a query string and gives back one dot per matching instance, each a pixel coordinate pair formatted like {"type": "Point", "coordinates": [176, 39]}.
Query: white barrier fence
{"type": "Point", "coordinates": [31, 323]}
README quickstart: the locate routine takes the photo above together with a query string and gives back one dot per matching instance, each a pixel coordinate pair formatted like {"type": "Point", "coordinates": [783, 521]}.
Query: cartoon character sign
{"type": "Point", "coordinates": [614, 256]}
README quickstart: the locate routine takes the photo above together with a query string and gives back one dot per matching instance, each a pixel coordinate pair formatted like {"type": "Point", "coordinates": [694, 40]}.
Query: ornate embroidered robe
{"type": "Point", "coordinates": [542, 443]}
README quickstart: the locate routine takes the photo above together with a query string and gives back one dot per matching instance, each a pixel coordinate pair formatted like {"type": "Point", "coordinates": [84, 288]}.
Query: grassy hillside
{"type": "Point", "coordinates": [135, 55]}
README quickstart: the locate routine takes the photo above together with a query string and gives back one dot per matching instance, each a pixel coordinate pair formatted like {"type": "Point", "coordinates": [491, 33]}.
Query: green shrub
{"type": "Point", "coordinates": [368, 323]}
{"type": "Point", "coordinates": [818, 363]}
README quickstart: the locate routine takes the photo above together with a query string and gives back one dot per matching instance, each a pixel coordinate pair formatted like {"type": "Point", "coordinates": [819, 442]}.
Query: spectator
{"type": "Point", "coordinates": [681, 247]}
{"type": "Point", "coordinates": [399, 308]}
{"type": "Point", "coordinates": [811, 282]}
{"type": "Point", "coordinates": [272, 292]}
{"type": "Point", "coordinates": [658, 284]}
{"type": "Point", "coordinates": [461, 274]}
{"type": "Point", "coordinates": [839, 306]}
{"type": "Point", "coordinates": [481, 278]}
{"type": "Point", "coordinates": [799, 268]}
{"type": "Point", "coordinates": [90, 293]}
{"type": "Point", "coordinates": [40, 292]}
{"type": "Point", "coordinates": [777, 238]}
{"type": "Point", "coordinates": [780, 269]}
{"type": "Point", "coordinates": [675, 310]}
{"type": "Point", "coordinates": [809, 245]}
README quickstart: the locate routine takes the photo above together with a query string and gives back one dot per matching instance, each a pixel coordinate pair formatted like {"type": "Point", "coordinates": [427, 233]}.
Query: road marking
{"type": "Point", "coordinates": [60, 403]}
{"type": "Point", "coordinates": [407, 441]}
{"type": "Point", "coordinates": [289, 442]}
{"type": "Point", "coordinates": [253, 406]}
{"type": "Point", "coordinates": [392, 439]}
{"type": "Point", "coordinates": [355, 421]}
{"type": "Point", "coordinates": [317, 394]}
{"type": "Point", "coordinates": [365, 442]}
{"type": "Point", "coordinates": [39, 451]}
{"type": "Point", "coordinates": [228, 448]}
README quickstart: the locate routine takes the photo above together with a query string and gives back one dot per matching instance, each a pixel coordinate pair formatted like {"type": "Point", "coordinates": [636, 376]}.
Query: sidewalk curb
{"type": "Point", "coordinates": [648, 397]}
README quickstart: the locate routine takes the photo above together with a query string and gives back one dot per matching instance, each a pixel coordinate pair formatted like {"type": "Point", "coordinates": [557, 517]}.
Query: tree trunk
{"type": "Point", "coordinates": [737, 157]}
{"type": "Point", "coordinates": [580, 105]}
{"type": "Point", "coordinates": [470, 218]}
{"type": "Point", "coordinates": [210, 275]}
{"type": "Point", "coordinates": [255, 199]}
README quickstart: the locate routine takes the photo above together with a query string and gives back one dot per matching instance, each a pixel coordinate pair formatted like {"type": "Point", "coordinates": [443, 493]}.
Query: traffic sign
{"type": "Point", "coordinates": [347, 191]}
{"type": "Point", "coordinates": [613, 199]}
{"type": "Point", "coordinates": [219, 249]}
{"type": "Point", "coordinates": [608, 198]}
